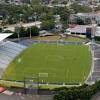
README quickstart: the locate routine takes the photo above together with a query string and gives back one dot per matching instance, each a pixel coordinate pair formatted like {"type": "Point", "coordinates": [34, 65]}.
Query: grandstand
{"type": "Point", "coordinates": [95, 72]}
{"type": "Point", "coordinates": [8, 51]}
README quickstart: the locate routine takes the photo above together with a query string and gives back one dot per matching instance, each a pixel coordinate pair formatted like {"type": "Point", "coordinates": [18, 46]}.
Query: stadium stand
{"type": "Point", "coordinates": [8, 51]}
{"type": "Point", "coordinates": [28, 42]}
{"type": "Point", "coordinates": [95, 72]}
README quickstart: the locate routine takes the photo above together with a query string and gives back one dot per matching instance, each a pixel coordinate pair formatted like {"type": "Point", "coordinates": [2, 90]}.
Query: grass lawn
{"type": "Point", "coordinates": [52, 62]}
{"type": "Point", "coordinates": [74, 39]}
{"type": "Point", "coordinates": [50, 38]}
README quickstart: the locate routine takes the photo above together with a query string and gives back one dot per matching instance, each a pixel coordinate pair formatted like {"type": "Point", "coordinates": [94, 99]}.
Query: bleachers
{"type": "Point", "coordinates": [8, 51]}
{"type": "Point", "coordinates": [96, 64]}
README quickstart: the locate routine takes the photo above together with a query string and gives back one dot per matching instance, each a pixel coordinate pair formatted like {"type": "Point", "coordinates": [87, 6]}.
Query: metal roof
{"type": "Point", "coordinates": [4, 36]}
{"type": "Point", "coordinates": [79, 28]}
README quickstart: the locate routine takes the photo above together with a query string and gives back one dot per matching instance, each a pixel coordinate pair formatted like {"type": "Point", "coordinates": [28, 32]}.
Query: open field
{"type": "Point", "coordinates": [52, 63]}
{"type": "Point", "coordinates": [74, 39]}
{"type": "Point", "coordinates": [58, 37]}
{"type": "Point", "coordinates": [50, 38]}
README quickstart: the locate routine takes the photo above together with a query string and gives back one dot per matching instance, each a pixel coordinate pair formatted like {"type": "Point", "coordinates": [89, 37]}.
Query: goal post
{"type": "Point", "coordinates": [43, 75]}
{"type": "Point", "coordinates": [31, 85]}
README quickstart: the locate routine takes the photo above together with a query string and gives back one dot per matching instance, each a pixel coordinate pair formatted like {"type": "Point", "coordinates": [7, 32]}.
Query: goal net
{"type": "Point", "coordinates": [43, 75]}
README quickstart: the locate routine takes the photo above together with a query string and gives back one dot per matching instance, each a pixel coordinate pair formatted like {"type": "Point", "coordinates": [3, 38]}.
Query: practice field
{"type": "Point", "coordinates": [52, 63]}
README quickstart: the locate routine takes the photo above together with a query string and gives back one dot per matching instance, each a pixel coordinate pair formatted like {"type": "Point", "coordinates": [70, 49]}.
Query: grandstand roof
{"type": "Point", "coordinates": [80, 28]}
{"type": "Point", "coordinates": [97, 31]}
{"type": "Point", "coordinates": [4, 36]}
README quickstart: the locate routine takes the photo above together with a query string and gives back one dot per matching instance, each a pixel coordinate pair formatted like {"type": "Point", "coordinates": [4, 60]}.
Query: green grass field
{"type": "Point", "coordinates": [52, 62]}
{"type": "Point", "coordinates": [74, 39]}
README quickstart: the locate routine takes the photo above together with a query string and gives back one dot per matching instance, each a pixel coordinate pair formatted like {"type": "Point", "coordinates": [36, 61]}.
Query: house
{"type": "Point", "coordinates": [97, 34]}
{"type": "Point", "coordinates": [2, 1]}
{"type": "Point", "coordinates": [85, 17]}
{"type": "Point", "coordinates": [17, 2]}
{"type": "Point", "coordinates": [85, 30]}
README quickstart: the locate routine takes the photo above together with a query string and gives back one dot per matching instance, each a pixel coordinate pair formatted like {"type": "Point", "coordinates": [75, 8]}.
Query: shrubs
{"type": "Point", "coordinates": [97, 38]}
{"type": "Point", "coordinates": [25, 32]}
{"type": "Point", "coordinates": [84, 92]}
{"type": "Point", "coordinates": [34, 31]}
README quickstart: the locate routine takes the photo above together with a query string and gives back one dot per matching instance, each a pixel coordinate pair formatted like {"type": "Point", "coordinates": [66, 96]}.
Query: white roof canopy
{"type": "Point", "coordinates": [80, 28]}
{"type": "Point", "coordinates": [4, 36]}
{"type": "Point", "coordinates": [97, 31]}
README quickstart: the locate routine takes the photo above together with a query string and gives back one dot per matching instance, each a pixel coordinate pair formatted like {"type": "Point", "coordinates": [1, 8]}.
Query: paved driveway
{"type": "Point", "coordinates": [96, 97]}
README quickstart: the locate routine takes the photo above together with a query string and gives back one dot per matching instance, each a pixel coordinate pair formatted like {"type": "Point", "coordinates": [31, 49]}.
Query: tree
{"type": "Point", "coordinates": [64, 13]}
{"type": "Point", "coordinates": [35, 2]}
{"type": "Point", "coordinates": [88, 21]}
{"type": "Point", "coordinates": [7, 31]}
{"type": "Point", "coordinates": [97, 8]}
{"type": "Point", "coordinates": [45, 16]}
{"type": "Point", "coordinates": [48, 25]}
{"type": "Point", "coordinates": [33, 31]}
{"type": "Point", "coordinates": [80, 8]}
{"type": "Point", "coordinates": [20, 31]}
{"type": "Point", "coordinates": [84, 92]}
{"type": "Point", "coordinates": [1, 29]}
{"type": "Point", "coordinates": [80, 21]}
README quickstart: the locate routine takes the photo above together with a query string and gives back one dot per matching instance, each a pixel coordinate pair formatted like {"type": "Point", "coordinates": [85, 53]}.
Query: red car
{"type": "Point", "coordinates": [2, 89]}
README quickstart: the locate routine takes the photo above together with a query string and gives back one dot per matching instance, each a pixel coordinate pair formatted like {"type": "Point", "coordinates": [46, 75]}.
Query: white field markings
{"type": "Point", "coordinates": [44, 78]}
{"type": "Point", "coordinates": [19, 60]}
{"type": "Point", "coordinates": [55, 57]}
{"type": "Point", "coordinates": [43, 74]}
{"type": "Point", "coordinates": [92, 65]}
{"type": "Point", "coordinates": [67, 76]}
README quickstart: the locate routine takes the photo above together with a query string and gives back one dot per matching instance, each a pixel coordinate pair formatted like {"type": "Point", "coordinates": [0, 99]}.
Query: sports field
{"type": "Point", "coordinates": [52, 63]}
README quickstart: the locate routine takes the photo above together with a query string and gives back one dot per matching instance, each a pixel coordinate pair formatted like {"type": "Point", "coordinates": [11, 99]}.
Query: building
{"type": "Point", "coordinates": [16, 2]}
{"type": "Point", "coordinates": [97, 34]}
{"type": "Point", "coordinates": [4, 36]}
{"type": "Point", "coordinates": [2, 1]}
{"type": "Point", "coordinates": [25, 25]}
{"type": "Point", "coordinates": [82, 30]}
{"type": "Point", "coordinates": [86, 17]}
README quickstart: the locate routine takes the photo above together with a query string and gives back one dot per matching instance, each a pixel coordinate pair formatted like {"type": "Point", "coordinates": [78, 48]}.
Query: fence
{"type": "Point", "coordinates": [41, 85]}
{"type": "Point", "coordinates": [55, 42]}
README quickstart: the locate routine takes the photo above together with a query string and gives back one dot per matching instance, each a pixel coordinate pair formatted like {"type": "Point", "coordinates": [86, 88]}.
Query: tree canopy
{"type": "Point", "coordinates": [80, 8]}
{"type": "Point", "coordinates": [84, 92]}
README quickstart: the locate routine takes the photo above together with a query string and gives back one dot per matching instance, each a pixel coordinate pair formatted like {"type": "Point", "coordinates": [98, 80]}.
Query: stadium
{"type": "Point", "coordinates": [53, 62]}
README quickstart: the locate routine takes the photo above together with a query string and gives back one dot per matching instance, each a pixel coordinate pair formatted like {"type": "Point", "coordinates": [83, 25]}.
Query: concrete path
{"type": "Point", "coordinates": [25, 97]}
{"type": "Point", "coordinates": [96, 97]}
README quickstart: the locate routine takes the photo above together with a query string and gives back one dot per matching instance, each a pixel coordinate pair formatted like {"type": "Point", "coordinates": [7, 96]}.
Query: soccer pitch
{"type": "Point", "coordinates": [55, 63]}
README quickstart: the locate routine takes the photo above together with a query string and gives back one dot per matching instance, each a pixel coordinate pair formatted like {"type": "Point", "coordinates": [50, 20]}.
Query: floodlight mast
{"type": "Point", "coordinates": [93, 21]}
{"type": "Point", "coordinates": [30, 33]}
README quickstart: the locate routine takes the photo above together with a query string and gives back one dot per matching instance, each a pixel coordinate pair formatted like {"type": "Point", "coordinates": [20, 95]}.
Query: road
{"type": "Point", "coordinates": [12, 27]}
{"type": "Point", "coordinates": [25, 97]}
{"type": "Point", "coordinates": [96, 97]}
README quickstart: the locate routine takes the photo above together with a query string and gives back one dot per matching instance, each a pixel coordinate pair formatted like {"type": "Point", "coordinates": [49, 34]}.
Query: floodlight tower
{"type": "Point", "coordinates": [93, 21]}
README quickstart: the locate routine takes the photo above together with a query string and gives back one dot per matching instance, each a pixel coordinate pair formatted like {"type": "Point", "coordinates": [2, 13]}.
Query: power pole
{"type": "Point", "coordinates": [30, 32]}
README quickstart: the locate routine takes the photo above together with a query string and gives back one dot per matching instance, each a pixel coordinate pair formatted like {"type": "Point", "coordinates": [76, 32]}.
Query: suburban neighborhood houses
{"type": "Point", "coordinates": [16, 2]}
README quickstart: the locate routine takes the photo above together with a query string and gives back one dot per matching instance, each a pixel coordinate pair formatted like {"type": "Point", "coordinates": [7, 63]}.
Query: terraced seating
{"type": "Point", "coordinates": [8, 51]}
{"type": "Point", "coordinates": [96, 64]}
